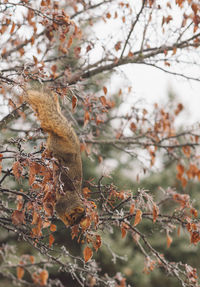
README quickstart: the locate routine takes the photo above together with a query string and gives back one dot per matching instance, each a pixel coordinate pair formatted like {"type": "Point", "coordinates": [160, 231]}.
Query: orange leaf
{"type": "Point", "coordinates": [86, 118]}
{"type": "Point", "coordinates": [74, 103]}
{"type": "Point", "coordinates": [35, 217]}
{"type": "Point", "coordinates": [97, 242]}
{"type": "Point", "coordinates": [133, 127]}
{"type": "Point", "coordinates": [51, 240]}
{"type": "Point", "coordinates": [54, 68]}
{"type": "Point", "coordinates": [179, 231]}
{"type": "Point", "coordinates": [53, 227]}
{"type": "Point", "coordinates": [17, 169]}
{"type": "Point", "coordinates": [138, 217]}
{"type": "Point", "coordinates": [32, 259]}
{"type": "Point", "coordinates": [69, 43]}
{"type": "Point", "coordinates": [184, 182]}
{"type": "Point", "coordinates": [169, 240]}
{"type": "Point", "coordinates": [35, 60]}
{"type": "Point", "coordinates": [85, 223]}
{"type": "Point", "coordinates": [118, 46]}
{"type": "Point", "coordinates": [123, 231]}
{"type": "Point", "coordinates": [103, 101]}
{"type": "Point", "coordinates": [105, 90]}
{"type": "Point", "coordinates": [32, 173]}
{"type": "Point", "coordinates": [18, 217]}
{"type": "Point", "coordinates": [108, 15]}
{"type": "Point", "coordinates": [20, 272]}
{"type": "Point", "coordinates": [12, 28]}
{"type": "Point", "coordinates": [43, 277]}
{"type": "Point", "coordinates": [180, 169]}
{"type": "Point", "coordinates": [186, 150]}
{"type": "Point", "coordinates": [174, 51]}
{"type": "Point", "coordinates": [155, 212]}
{"type": "Point", "coordinates": [87, 252]}
{"type": "Point", "coordinates": [132, 208]}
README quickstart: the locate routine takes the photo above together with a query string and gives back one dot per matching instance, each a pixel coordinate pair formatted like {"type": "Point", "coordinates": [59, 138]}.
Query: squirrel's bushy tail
{"type": "Point", "coordinates": [47, 109]}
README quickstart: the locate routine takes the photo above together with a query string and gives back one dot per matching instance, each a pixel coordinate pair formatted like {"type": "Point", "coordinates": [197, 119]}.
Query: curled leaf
{"type": "Point", "coordinates": [138, 217]}
{"type": "Point", "coordinates": [87, 252]}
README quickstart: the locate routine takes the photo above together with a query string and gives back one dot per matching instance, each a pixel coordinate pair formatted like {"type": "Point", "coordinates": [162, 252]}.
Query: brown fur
{"type": "Point", "coordinates": [64, 144]}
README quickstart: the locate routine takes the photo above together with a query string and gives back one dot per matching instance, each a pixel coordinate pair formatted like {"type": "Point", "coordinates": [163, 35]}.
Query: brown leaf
{"type": "Point", "coordinates": [18, 217]}
{"type": "Point", "coordinates": [43, 275]}
{"type": "Point", "coordinates": [69, 43]}
{"type": "Point", "coordinates": [108, 15]}
{"type": "Point", "coordinates": [155, 212]}
{"type": "Point", "coordinates": [169, 240]}
{"type": "Point", "coordinates": [37, 229]}
{"type": "Point", "coordinates": [17, 169]}
{"type": "Point", "coordinates": [132, 208]}
{"type": "Point", "coordinates": [123, 231]}
{"type": "Point", "coordinates": [32, 259]}
{"type": "Point", "coordinates": [118, 46]}
{"type": "Point", "coordinates": [87, 252]}
{"type": "Point", "coordinates": [53, 227]}
{"type": "Point", "coordinates": [138, 217]}
{"type": "Point", "coordinates": [35, 60]}
{"type": "Point", "coordinates": [54, 68]}
{"type": "Point", "coordinates": [180, 169]}
{"type": "Point", "coordinates": [133, 127]}
{"type": "Point", "coordinates": [174, 51]}
{"type": "Point", "coordinates": [12, 28]}
{"type": "Point", "coordinates": [86, 118]}
{"type": "Point", "coordinates": [20, 272]}
{"type": "Point", "coordinates": [97, 242]}
{"type": "Point", "coordinates": [35, 217]}
{"type": "Point", "coordinates": [51, 240]}
{"type": "Point", "coordinates": [186, 150]}
{"type": "Point", "coordinates": [85, 223]}
{"type": "Point", "coordinates": [103, 101]}
{"type": "Point", "coordinates": [105, 90]}
{"type": "Point", "coordinates": [194, 8]}
{"type": "Point", "coordinates": [74, 103]}
{"type": "Point", "coordinates": [32, 173]}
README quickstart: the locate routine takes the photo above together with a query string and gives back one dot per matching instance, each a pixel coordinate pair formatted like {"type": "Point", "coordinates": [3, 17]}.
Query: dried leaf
{"type": "Point", "coordinates": [133, 127]}
{"type": "Point", "coordinates": [108, 15]}
{"type": "Point", "coordinates": [85, 223]}
{"type": "Point", "coordinates": [132, 208]}
{"type": "Point", "coordinates": [186, 150]}
{"type": "Point", "coordinates": [51, 240]}
{"type": "Point", "coordinates": [20, 272]}
{"type": "Point", "coordinates": [86, 118]}
{"type": "Point", "coordinates": [123, 231]}
{"type": "Point", "coordinates": [43, 277]}
{"type": "Point", "coordinates": [69, 43]}
{"type": "Point", "coordinates": [53, 227]}
{"type": "Point", "coordinates": [74, 103]}
{"type": "Point", "coordinates": [180, 169]}
{"type": "Point", "coordinates": [169, 240]}
{"type": "Point", "coordinates": [97, 242]}
{"type": "Point", "coordinates": [105, 90]}
{"type": "Point", "coordinates": [17, 169]}
{"type": "Point", "coordinates": [155, 212]}
{"type": "Point", "coordinates": [103, 101]}
{"type": "Point", "coordinates": [87, 252]}
{"type": "Point", "coordinates": [138, 217]}
{"type": "Point", "coordinates": [12, 28]}
{"type": "Point", "coordinates": [32, 259]}
{"type": "Point", "coordinates": [18, 217]}
{"type": "Point", "coordinates": [118, 46]}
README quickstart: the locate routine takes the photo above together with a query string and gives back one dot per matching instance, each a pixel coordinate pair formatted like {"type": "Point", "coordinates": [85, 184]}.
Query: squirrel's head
{"type": "Point", "coordinates": [70, 212]}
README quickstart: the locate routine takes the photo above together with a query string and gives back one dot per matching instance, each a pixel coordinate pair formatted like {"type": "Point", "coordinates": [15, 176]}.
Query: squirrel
{"type": "Point", "coordinates": [63, 144]}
